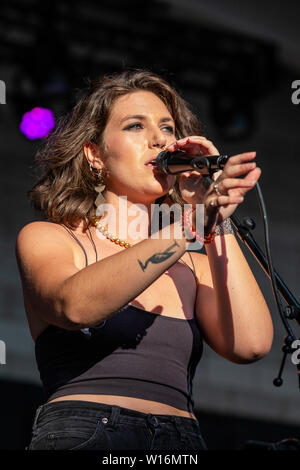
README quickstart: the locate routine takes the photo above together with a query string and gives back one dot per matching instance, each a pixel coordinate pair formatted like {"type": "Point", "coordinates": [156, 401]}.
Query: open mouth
{"type": "Point", "coordinates": [152, 163]}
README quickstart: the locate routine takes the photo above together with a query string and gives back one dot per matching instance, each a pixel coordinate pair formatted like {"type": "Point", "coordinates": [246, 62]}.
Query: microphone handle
{"type": "Point", "coordinates": [177, 162]}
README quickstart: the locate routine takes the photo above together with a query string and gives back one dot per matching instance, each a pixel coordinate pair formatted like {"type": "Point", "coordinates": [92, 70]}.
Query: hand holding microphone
{"type": "Point", "coordinates": [222, 196]}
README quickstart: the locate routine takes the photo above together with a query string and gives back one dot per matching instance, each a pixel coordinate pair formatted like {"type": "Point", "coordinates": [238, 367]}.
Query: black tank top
{"type": "Point", "coordinates": [134, 353]}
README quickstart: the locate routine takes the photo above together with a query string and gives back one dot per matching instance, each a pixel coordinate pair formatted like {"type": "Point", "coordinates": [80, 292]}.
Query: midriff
{"type": "Point", "coordinates": [137, 404]}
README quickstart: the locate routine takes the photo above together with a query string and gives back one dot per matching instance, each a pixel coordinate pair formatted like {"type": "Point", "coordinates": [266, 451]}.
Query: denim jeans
{"type": "Point", "coordinates": [83, 425]}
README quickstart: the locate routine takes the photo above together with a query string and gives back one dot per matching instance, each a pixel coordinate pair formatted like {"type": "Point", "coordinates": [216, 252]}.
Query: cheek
{"type": "Point", "coordinates": [135, 143]}
{"type": "Point", "coordinates": [126, 147]}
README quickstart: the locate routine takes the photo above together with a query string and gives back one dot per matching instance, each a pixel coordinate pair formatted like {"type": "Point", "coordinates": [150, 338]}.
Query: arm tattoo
{"type": "Point", "coordinates": [158, 257]}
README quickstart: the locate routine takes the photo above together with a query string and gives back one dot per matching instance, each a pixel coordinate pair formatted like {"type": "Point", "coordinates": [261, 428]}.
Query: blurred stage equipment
{"type": "Point", "coordinates": [291, 311]}
{"type": "Point", "coordinates": [51, 46]}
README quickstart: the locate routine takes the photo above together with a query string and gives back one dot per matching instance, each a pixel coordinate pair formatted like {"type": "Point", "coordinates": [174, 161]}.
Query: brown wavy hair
{"type": "Point", "coordinates": [65, 191]}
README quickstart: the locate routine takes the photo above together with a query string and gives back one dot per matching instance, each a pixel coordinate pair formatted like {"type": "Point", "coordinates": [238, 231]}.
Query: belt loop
{"type": "Point", "coordinates": [152, 420]}
{"type": "Point", "coordinates": [178, 424]}
{"type": "Point", "coordinates": [114, 416]}
{"type": "Point", "coordinates": [37, 414]}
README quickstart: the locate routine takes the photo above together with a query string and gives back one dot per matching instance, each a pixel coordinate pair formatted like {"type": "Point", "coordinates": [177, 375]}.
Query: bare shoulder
{"type": "Point", "coordinates": [39, 228]}
{"type": "Point", "coordinates": [45, 259]}
{"type": "Point", "coordinates": [39, 236]}
{"type": "Point", "coordinates": [40, 242]}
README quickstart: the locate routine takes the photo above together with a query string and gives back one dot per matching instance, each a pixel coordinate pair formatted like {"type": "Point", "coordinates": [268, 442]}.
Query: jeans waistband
{"type": "Point", "coordinates": [115, 413]}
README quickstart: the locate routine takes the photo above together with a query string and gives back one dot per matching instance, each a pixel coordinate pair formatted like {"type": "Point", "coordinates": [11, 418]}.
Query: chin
{"type": "Point", "coordinates": [160, 194]}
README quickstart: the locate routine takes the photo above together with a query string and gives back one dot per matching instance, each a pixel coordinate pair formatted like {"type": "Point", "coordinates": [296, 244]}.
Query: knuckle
{"type": "Point", "coordinates": [232, 161]}
{"type": "Point", "coordinates": [204, 140]}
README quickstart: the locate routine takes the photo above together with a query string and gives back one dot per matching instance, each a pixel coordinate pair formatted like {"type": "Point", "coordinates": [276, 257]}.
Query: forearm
{"type": "Point", "coordinates": [240, 303]}
{"type": "Point", "coordinates": [94, 293]}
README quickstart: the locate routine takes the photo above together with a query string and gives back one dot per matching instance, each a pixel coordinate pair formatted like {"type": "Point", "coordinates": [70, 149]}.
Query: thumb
{"type": "Point", "coordinates": [217, 174]}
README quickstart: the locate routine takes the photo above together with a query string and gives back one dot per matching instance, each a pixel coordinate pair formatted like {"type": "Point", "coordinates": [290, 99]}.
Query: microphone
{"type": "Point", "coordinates": [176, 162]}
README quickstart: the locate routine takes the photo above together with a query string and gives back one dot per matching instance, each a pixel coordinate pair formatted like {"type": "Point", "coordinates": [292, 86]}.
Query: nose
{"type": "Point", "coordinates": [158, 140]}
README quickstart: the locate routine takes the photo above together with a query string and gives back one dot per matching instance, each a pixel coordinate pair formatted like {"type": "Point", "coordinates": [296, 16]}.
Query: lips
{"type": "Point", "coordinates": [152, 162]}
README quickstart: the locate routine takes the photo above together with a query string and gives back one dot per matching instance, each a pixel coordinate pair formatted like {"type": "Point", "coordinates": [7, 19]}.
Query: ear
{"type": "Point", "coordinates": [92, 154]}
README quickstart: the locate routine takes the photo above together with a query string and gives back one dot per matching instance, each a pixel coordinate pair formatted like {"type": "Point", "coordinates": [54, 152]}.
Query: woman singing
{"type": "Point", "coordinates": [118, 317]}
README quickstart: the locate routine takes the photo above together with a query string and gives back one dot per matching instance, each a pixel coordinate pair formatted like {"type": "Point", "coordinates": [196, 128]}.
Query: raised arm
{"type": "Point", "coordinates": [230, 306]}
{"type": "Point", "coordinates": [73, 299]}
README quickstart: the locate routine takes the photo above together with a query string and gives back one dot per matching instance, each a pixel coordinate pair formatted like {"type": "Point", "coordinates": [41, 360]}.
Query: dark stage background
{"type": "Point", "coordinates": [235, 62]}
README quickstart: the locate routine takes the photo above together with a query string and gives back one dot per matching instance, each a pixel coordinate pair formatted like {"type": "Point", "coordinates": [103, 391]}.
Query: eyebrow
{"type": "Point", "coordinates": [141, 117]}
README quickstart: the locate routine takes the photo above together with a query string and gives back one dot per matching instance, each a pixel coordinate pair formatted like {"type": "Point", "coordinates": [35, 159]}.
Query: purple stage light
{"type": "Point", "coordinates": [37, 123]}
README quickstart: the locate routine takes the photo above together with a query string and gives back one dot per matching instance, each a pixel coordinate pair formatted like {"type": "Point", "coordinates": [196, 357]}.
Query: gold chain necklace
{"type": "Point", "coordinates": [109, 236]}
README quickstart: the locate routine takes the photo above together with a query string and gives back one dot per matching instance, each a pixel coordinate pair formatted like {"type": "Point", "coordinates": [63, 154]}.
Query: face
{"type": "Point", "coordinates": [140, 126]}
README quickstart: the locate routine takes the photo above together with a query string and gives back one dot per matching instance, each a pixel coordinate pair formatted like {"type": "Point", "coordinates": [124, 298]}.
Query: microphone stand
{"type": "Point", "coordinates": [292, 309]}
{"type": "Point", "coordinates": [207, 165]}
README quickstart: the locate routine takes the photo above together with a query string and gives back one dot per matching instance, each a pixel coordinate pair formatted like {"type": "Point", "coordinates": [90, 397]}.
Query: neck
{"type": "Point", "coordinates": [124, 218]}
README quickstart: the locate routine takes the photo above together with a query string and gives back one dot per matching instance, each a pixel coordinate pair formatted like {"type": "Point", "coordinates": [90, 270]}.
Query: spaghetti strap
{"type": "Point", "coordinates": [75, 238]}
{"type": "Point", "coordinates": [192, 264]}
{"type": "Point", "coordinates": [193, 270]}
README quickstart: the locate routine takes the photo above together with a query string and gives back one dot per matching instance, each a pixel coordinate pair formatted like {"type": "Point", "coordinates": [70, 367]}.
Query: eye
{"type": "Point", "coordinates": [169, 129]}
{"type": "Point", "coordinates": [135, 126]}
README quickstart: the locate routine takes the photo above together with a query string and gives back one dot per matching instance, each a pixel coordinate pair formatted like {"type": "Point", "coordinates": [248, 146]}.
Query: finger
{"type": "Point", "coordinates": [217, 201]}
{"type": "Point", "coordinates": [240, 158]}
{"type": "Point", "coordinates": [239, 191]}
{"type": "Point", "coordinates": [204, 142]}
{"type": "Point", "coordinates": [238, 170]}
{"type": "Point", "coordinates": [235, 183]}
{"type": "Point", "coordinates": [253, 175]}
{"type": "Point", "coordinates": [217, 174]}
{"type": "Point", "coordinates": [205, 146]}
{"type": "Point", "coordinates": [178, 143]}
{"type": "Point", "coordinates": [189, 145]}
{"type": "Point", "coordinates": [192, 138]}
{"type": "Point", "coordinates": [192, 173]}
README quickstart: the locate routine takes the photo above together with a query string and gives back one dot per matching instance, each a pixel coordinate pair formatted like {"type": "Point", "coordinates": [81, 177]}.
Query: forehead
{"type": "Point", "coordinates": [139, 102]}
